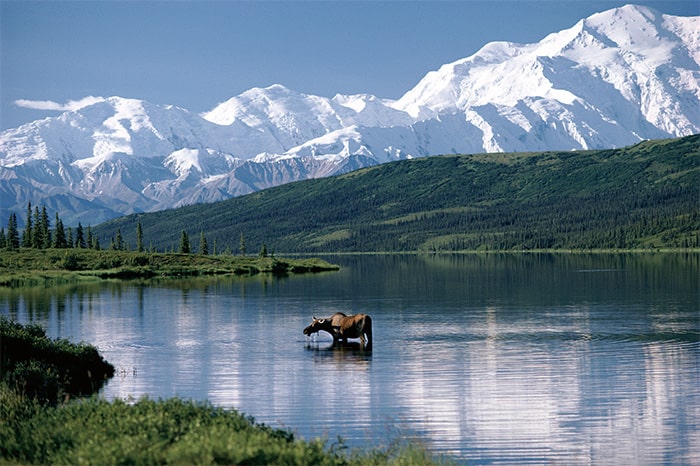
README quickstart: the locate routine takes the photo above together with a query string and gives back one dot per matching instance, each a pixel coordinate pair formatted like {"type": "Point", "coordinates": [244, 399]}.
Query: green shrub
{"type": "Point", "coordinates": [171, 431]}
{"type": "Point", "coordinates": [46, 369]}
{"type": "Point", "coordinates": [71, 261]}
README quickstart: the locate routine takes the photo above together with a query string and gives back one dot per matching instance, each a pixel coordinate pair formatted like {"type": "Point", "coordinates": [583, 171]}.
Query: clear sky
{"type": "Point", "coordinates": [195, 54]}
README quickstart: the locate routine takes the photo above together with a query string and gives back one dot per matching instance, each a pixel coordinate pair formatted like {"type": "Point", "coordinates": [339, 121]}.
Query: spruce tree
{"type": "Point", "coordinates": [119, 244]}
{"type": "Point", "coordinates": [12, 239]}
{"type": "Point", "coordinates": [203, 246]}
{"type": "Point", "coordinates": [59, 236]}
{"type": "Point", "coordinates": [139, 237]}
{"type": "Point", "coordinates": [79, 237]}
{"type": "Point", "coordinates": [3, 242]}
{"type": "Point", "coordinates": [241, 245]}
{"type": "Point", "coordinates": [27, 240]}
{"type": "Point", "coordinates": [89, 239]}
{"type": "Point", "coordinates": [184, 243]}
{"type": "Point", "coordinates": [37, 234]}
{"type": "Point", "coordinates": [45, 229]}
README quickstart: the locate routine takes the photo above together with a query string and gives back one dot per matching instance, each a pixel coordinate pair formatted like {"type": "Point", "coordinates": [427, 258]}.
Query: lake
{"type": "Point", "coordinates": [497, 358]}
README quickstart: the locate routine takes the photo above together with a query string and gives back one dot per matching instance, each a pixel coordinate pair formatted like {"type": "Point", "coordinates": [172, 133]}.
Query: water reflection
{"type": "Point", "coordinates": [495, 358]}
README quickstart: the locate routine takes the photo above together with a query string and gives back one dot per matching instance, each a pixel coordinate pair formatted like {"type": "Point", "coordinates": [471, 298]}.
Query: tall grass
{"type": "Point", "coordinates": [173, 431]}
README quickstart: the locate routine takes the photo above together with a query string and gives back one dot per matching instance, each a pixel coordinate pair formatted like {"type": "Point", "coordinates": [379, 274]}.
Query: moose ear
{"type": "Point", "coordinates": [314, 318]}
{"type": "Point", "coordinates": [320, 321]}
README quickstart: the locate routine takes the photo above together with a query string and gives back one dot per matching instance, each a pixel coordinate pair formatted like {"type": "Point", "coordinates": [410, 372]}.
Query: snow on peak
{"type": "Point", "coordinates": [609, 80]}
{"type": "Point", "coordinates": [634, 50]}
{"type": "Point", "coordinates": [183, 160]}
{"type": "Point", "coordinates": [253, 104]}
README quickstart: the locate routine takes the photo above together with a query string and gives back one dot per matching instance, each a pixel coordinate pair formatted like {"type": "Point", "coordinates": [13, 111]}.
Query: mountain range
{"type": "Point", "coordinates": [613, 79]}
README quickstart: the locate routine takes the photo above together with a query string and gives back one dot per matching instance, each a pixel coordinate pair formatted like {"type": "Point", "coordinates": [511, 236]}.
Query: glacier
{"type": "Point", "coordinates": [612, 79]}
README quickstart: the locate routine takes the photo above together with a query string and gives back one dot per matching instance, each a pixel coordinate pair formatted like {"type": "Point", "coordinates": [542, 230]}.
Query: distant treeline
{"type": "Point", "coordinates": [38, 234]}
{"type": "Point", "coordinates": [644, 196]}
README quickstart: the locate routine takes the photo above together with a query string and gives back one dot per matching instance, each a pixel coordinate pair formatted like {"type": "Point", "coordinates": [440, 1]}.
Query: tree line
{"type": "Point", "coordinates": [38, 234]}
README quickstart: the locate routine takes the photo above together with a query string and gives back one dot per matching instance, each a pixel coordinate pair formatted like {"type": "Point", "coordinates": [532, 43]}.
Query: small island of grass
{"type": "Point", "coordinates": [31, 267]}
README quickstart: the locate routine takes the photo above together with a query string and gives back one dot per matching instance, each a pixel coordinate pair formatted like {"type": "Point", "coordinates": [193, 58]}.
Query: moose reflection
{"type": "Point", "coordinates": [342, 327]}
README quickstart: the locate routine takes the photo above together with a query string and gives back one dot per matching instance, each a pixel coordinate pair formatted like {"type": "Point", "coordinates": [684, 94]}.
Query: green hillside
{"type": "Point", "coordinates": [643, 196]}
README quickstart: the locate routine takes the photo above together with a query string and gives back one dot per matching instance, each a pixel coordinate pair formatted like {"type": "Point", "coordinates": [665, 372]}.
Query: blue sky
{"type": "Point", "coordinates": [195, 54]}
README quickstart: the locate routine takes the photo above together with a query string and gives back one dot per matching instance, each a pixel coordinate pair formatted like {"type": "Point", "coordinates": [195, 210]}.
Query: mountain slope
{"type": "Point", "coordinates": [610, 80]}
{"type": "Point", "coordinates": [641, 196]}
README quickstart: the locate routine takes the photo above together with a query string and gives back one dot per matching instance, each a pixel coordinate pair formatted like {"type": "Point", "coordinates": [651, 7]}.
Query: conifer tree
{"type": "Point", "coordinates": [139, 237]}
{"type": "Point", "coordinates": [37, 234]}
{"type": "Point", "coordinates": [79, 237]}
{"type": "Point", "coordinates": [88, 238]}
{"type": "Point", "coordinates": [241, 245]}
{"type": "Point", "coordinates": [184, 243]}
{"type": "Point", "coordinates": [69, 238]}
{"type": "Point", "coordinates": [12, 239]}
{"type": "Point", "coordinates": [59, 237]}
{"type": "Point", "coordinates": [203, 246]}
{"type": "Point", "coordinates": [45, 229]}
{"type": "Point", "coordinates": [3, 242]}
{"type": "Point", "coordinates": [119, 244]}
{"type": "Point", "coordinates": [27, 240]}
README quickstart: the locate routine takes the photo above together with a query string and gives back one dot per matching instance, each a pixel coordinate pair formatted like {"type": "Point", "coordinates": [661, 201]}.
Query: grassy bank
{"type": "Point", "coordinates": [42, 422]}
{"type": "Point", "coordinates": [29, 267]}
{"type": "Point", "coordinates": [48, 370]}
{"type": "Point", "coordinates": [171, 431]}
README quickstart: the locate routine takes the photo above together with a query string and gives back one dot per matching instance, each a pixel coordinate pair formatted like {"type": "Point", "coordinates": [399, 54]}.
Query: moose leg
{"type": "Point", "coordinates": [367, 331]}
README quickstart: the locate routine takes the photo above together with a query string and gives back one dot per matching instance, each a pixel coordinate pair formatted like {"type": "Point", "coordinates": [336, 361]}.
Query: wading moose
{"type": "Point", "coordinates": [342, 327]}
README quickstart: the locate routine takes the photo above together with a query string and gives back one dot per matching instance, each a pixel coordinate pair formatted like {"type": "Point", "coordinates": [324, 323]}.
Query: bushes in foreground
{"type": "Point", "coordinates": [95, 431]}
{"type": "Point", "coordinates": [173, 431]}
{"type": "Point", "coordinates": [45, 369]}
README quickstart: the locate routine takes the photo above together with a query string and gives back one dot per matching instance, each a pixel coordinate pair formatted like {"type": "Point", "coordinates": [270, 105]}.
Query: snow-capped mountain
{"type": "Point", "coordinates": [612, 79]}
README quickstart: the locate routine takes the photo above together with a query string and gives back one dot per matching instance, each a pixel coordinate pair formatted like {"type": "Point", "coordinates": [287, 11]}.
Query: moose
{"type": "Point", "coordinates": [342, 327]}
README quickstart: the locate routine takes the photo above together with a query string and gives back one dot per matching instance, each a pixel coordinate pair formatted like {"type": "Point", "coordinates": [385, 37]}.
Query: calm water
{"type": "Point", "coordinates": [493, 359]}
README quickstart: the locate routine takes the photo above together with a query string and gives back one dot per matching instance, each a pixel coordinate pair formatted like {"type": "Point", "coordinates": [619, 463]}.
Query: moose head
{"type": "Point", "coordinates": [318, 325]}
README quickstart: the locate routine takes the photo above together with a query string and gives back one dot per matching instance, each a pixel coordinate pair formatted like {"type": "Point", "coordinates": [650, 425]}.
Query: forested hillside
{"type": "Point", "coordinates": [643, 196]}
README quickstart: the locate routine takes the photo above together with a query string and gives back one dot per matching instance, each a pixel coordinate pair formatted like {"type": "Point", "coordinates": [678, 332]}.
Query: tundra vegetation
{"type": "Point", "coordinates": [42, 422]}
{"type": "Point", "coordinates": [642, 197]}
{"type": "Point", "coordinates": [32, 267]}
